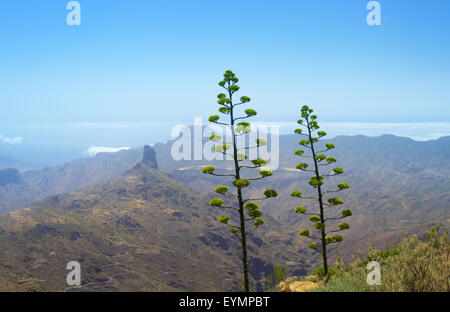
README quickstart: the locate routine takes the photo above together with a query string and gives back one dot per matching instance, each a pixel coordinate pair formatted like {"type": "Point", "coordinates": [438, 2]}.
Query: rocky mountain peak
{"type": "Point", "coordinates": [148, 161]}
{"type": "Point", "coordinates": [149, 157]}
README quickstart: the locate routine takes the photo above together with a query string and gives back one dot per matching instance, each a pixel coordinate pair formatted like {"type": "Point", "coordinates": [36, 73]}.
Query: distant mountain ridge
{"type": "Point", "coordinates": [9, 176]}
{"type": "Point", "coordinates": [8, 162]}
{"type": "Point", "coordinates": [38, 184]}
{"type": "Point", "coordinates": [397, 184]}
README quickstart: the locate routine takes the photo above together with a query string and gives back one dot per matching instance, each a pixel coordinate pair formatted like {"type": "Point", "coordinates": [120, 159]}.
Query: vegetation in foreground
{"type": "Point", "coordinates": [415, 265]}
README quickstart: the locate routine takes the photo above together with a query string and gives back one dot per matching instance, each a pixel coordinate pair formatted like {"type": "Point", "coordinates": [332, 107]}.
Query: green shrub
{"type": "Point", "coordinates": [279, 274]}
{"type": "Point", "coordinates": [413, 266]}
{"type": "Point", "coordinates": [320, 271]}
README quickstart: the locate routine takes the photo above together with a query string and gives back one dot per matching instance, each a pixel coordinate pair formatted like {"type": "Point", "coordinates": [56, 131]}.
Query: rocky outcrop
{"type": "Point", "coordinates": [148, 160]}
{"type": "Point", "coordinates": [294, 285]}
{"type": "Point", "coordinates": [150, 157]}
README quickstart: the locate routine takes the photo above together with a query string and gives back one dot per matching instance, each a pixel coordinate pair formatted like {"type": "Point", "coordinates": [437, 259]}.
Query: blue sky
{"type": "Point", "coordinates": [141, 61]}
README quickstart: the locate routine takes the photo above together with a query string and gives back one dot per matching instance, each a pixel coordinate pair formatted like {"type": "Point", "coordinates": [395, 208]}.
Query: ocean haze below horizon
{"type": "Point", "coordinates": [55, 144]}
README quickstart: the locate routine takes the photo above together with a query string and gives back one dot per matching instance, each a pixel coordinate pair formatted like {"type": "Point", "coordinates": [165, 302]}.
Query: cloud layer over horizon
{"type": "Point", "coordinates": [15, 140]}
{"type": "Point", "coordinates": [94, 150]}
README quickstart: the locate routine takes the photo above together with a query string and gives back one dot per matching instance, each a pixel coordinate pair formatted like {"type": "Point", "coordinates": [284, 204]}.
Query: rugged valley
{"type": "Point", "coordinates": [142, 219]}
{"type": "Point", "coordinates": [143, 231]}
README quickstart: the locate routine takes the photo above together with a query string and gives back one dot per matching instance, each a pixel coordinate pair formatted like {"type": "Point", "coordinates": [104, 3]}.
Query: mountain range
{"type": "Point", "coordinates": [23, 189]}
{"type": "Point", "coordinates": [396, 185]}
{"type": "Point", "coordinates": [150, 227]}
{"type": "Point", "coordinates": [140, 232]}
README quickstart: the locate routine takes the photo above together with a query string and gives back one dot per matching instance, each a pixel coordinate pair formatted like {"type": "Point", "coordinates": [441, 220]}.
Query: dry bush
{"type": "Point", "coordinates": [413, 266]}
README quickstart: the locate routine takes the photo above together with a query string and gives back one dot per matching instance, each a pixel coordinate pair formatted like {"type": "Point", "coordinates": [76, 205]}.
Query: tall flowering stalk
{"type": "Point", "coordinates": [319, 218]}
{"type": "Point", "coordinates": [247, 209]}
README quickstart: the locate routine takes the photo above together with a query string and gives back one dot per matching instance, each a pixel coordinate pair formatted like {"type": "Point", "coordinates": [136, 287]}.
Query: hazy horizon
{"type": "Point", "coordinates": [55, 144]}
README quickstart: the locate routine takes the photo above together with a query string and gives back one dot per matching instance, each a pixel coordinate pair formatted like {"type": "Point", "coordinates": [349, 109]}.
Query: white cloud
{"type": "Point", "coordinates": [16, 140]}
{"type": "Point", "coordinates": [94, 150]}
